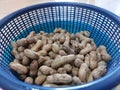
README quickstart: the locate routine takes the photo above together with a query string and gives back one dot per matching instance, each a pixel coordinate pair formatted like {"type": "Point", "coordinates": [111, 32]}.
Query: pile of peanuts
{"type": "Point", "coordinates": [58, 58]}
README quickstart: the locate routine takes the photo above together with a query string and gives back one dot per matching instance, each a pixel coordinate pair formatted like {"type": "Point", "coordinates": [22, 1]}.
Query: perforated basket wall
{"type": "Point", "coordinates": [74, 17]}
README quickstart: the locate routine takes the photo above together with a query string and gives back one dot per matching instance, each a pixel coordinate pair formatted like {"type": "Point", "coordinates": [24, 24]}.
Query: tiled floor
{"type": "Point", "coordinates": [9, 6]}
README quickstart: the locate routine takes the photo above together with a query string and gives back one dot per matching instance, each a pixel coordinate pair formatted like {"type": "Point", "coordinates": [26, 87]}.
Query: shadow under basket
{"type": "Point", "coordinates": [103, 26]}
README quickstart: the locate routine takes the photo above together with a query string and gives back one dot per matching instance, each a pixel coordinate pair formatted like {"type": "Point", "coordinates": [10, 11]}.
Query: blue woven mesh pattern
{"type": "Point", "coordinates": [103, 30]}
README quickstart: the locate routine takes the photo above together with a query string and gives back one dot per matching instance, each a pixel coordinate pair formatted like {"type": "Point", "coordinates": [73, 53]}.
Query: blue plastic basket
{"type": "Point", "coordinates": [74, 17]}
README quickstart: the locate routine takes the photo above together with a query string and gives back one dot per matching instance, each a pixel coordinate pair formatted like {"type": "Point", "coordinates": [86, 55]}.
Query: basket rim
{"type": "Point", "coordinates": [100, 84]}
{"type": "Point", "coordinates": [16, 13]}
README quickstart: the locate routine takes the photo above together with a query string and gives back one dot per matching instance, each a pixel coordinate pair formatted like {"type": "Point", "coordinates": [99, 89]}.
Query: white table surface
{"type": "Point", "coordinates": [9, 6]}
